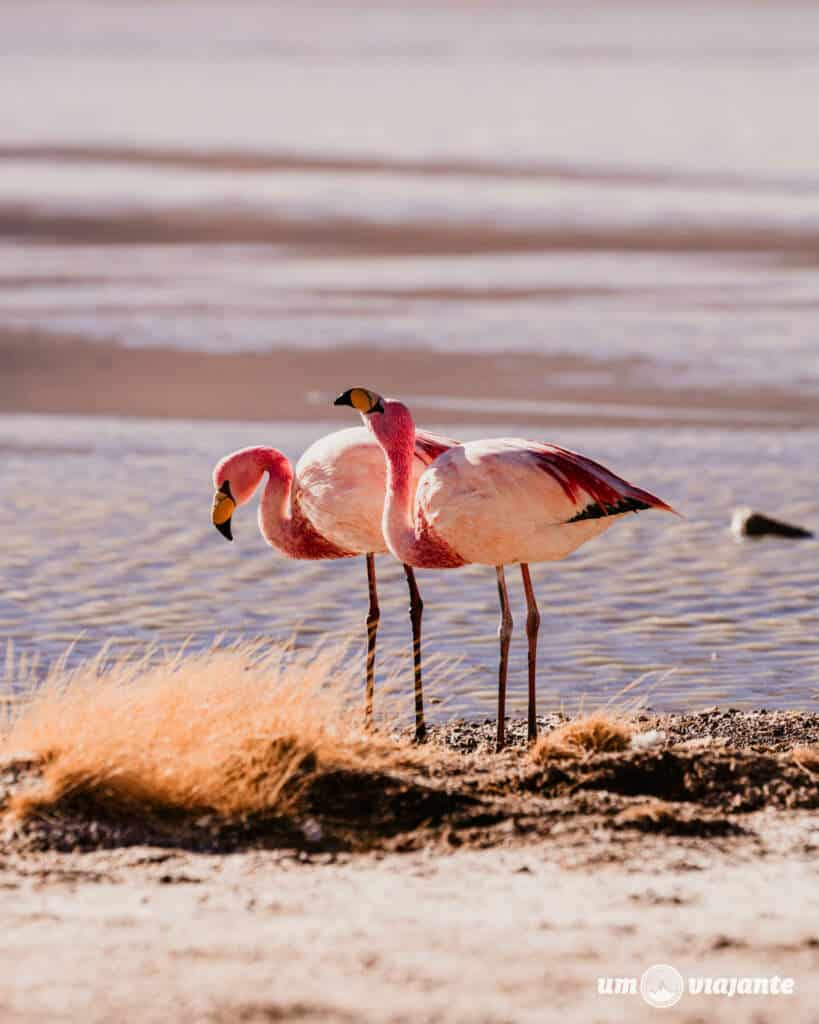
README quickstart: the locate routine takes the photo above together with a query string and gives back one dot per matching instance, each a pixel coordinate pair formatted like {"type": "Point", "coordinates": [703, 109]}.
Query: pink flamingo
{"type": "Point", "coordinates": [495, 502]}
{"type": "Point", "coordinates": [330, 508]}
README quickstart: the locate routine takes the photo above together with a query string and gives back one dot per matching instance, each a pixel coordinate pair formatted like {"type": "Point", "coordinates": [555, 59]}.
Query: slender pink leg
{"type": "Point", "coordinates": [373, 616]}
{"type": "Point", "coordinates": [416, 609]}
{"type": "Point", "coordinates": [504, 635]}
{"type": "Point", "coordinates": [532, 626]}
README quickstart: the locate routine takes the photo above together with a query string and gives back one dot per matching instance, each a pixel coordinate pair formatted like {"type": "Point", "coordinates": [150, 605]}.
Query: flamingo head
{"type": "Point", "coordinates": [236, 478]}
{"type": "Point", "coordinates": [367, 402]}
{"type": "Point", "coordinates": [390, 421]}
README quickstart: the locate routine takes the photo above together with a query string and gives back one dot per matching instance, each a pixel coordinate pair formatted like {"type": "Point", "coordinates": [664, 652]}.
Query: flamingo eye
{"type": "Point", "coordinates": [224, 487]}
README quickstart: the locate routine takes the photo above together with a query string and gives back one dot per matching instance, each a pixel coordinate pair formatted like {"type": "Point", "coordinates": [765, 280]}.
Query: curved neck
{"type": "Point", "coordinates": [282, 522]}
{"type": "Point", "coordinates": [275, 515]}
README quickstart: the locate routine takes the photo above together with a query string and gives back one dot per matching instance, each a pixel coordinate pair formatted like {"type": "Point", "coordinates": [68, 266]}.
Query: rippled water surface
{"type": "Point", "coordinates": [107, 539]}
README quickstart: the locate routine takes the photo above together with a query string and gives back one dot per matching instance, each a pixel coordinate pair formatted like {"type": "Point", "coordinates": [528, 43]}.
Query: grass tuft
{"type": "Point", "coordinates": [597, 733]}
{"type": "Point", "coordinates": [233, 731]}
{"type": "Point", "coordinates": [648, 815]}
{"type": "Point", "coordinates": [807, 757]}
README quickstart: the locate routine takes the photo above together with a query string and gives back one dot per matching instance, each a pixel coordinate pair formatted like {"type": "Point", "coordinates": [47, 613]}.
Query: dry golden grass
{"type": "Point", "coordinates": [233, 731]}
{"type": "Point", "coordinates": [807, 757]}
{"type": "Point", "coordinates": [597, 733]}
{"type": "Point", "coordinates": [647, 814]}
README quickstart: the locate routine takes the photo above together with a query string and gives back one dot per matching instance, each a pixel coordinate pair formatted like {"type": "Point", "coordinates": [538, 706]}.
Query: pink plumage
{"type": "Point", "coordinates": [579, 475]}
{"type": "Point", "coordinates": [331, 505]}
{"type": "Point", "coordinates": [496, 502]}
{"type": "Point", "coordinates": [430, 446]}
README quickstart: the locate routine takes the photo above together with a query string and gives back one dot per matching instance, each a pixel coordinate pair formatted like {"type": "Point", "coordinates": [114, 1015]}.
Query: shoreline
{"type": "Point", "coordinates": [45, 373]}
{"type": "Point", "coordinates": [604, 880]}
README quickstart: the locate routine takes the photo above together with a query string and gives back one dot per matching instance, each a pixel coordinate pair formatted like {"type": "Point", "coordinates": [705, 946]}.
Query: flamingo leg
{"type": "Point", "coordinates": [373, 616]}
{"type": "Point", "coordinates": [504, 636]}
{"type": "Point", "coordinates": [416, 610]}
{"type": "Point", "coordinates": [532, 626]}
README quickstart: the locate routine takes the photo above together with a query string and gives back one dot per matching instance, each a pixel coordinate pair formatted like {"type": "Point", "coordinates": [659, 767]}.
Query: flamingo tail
{"type": "Point", "coordinates": [628, 503]}
{"type": "Point", "coordinates": [608, 494]}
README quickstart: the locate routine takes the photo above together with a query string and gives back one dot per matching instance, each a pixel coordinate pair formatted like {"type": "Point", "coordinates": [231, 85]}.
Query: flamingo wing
{"type": "Point", "coordinates": [339, 488]}
{"type": "Point", "coordinates": [505, 500]}
{"type": "Point", "coordinates": [593, 490]}
{"type": "Point", "coordinates": [429, 446]}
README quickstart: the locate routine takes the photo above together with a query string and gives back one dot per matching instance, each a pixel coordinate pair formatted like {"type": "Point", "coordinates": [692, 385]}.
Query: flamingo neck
{"type": "Point", "coordinates": [282, 522]}
{"type": "Point", "coordinates": [275, 513]}
{"type": "Point", "coordinates": [397, 523]}
{"type": "Point", "coordinates": [408, 536]}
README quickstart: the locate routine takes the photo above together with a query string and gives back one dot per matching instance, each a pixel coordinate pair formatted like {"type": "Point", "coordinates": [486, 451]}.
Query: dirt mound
{"type": "Point", "coordinates": [703, 788]}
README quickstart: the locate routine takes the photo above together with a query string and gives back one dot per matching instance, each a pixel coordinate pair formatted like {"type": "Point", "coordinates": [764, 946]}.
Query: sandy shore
{"type": "Point", "coordinates": [481, 936]}
{"type": "Point", "coordinates": [42, 373]}
{"type": "Point", "coordinates": [517, 888]}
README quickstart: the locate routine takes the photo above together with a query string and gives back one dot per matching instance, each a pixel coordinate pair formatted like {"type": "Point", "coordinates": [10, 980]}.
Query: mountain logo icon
{"type": "Point", "coordinates": [662, 986]}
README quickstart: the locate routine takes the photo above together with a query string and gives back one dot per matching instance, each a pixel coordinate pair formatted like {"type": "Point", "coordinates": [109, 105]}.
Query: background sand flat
{"type": "Point", "coordinates": [45, 373]}
{"type": "Point", "coordinates": [623, 183]}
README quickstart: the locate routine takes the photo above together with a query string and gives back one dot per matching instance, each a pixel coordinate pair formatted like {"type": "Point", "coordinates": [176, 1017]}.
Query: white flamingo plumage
{"type": "Point", "coordinates": [331, 507]}
{"type": "Point", "coordinates": [496, 502]}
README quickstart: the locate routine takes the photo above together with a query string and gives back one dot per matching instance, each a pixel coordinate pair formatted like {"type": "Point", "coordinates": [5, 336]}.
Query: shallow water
{"type": "Point", "coordinates": [607, 179]}
{"type": "Point", "coordinates": [107, 538]}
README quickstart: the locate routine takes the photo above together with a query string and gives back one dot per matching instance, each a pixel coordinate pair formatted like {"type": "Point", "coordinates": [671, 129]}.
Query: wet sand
{"type": "Point", "coordinates": [250, 160]}
{"type": "Point", "coordinates": [350, 238]}
{"type": "Point", "coordinates": [581, 877]}
{"type": "Point", "coordinates": [49, 373]}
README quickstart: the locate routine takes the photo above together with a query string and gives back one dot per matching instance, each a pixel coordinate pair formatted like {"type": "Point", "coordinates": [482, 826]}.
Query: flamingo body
{"type": "Point", "coordinates": [506, 500]}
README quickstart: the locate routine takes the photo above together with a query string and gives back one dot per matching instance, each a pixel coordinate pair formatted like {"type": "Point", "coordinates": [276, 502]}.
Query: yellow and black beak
{"type": "Point", "coordinates": [222, 510]}
{"type": "Point", "coordinates": [363, 399]}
